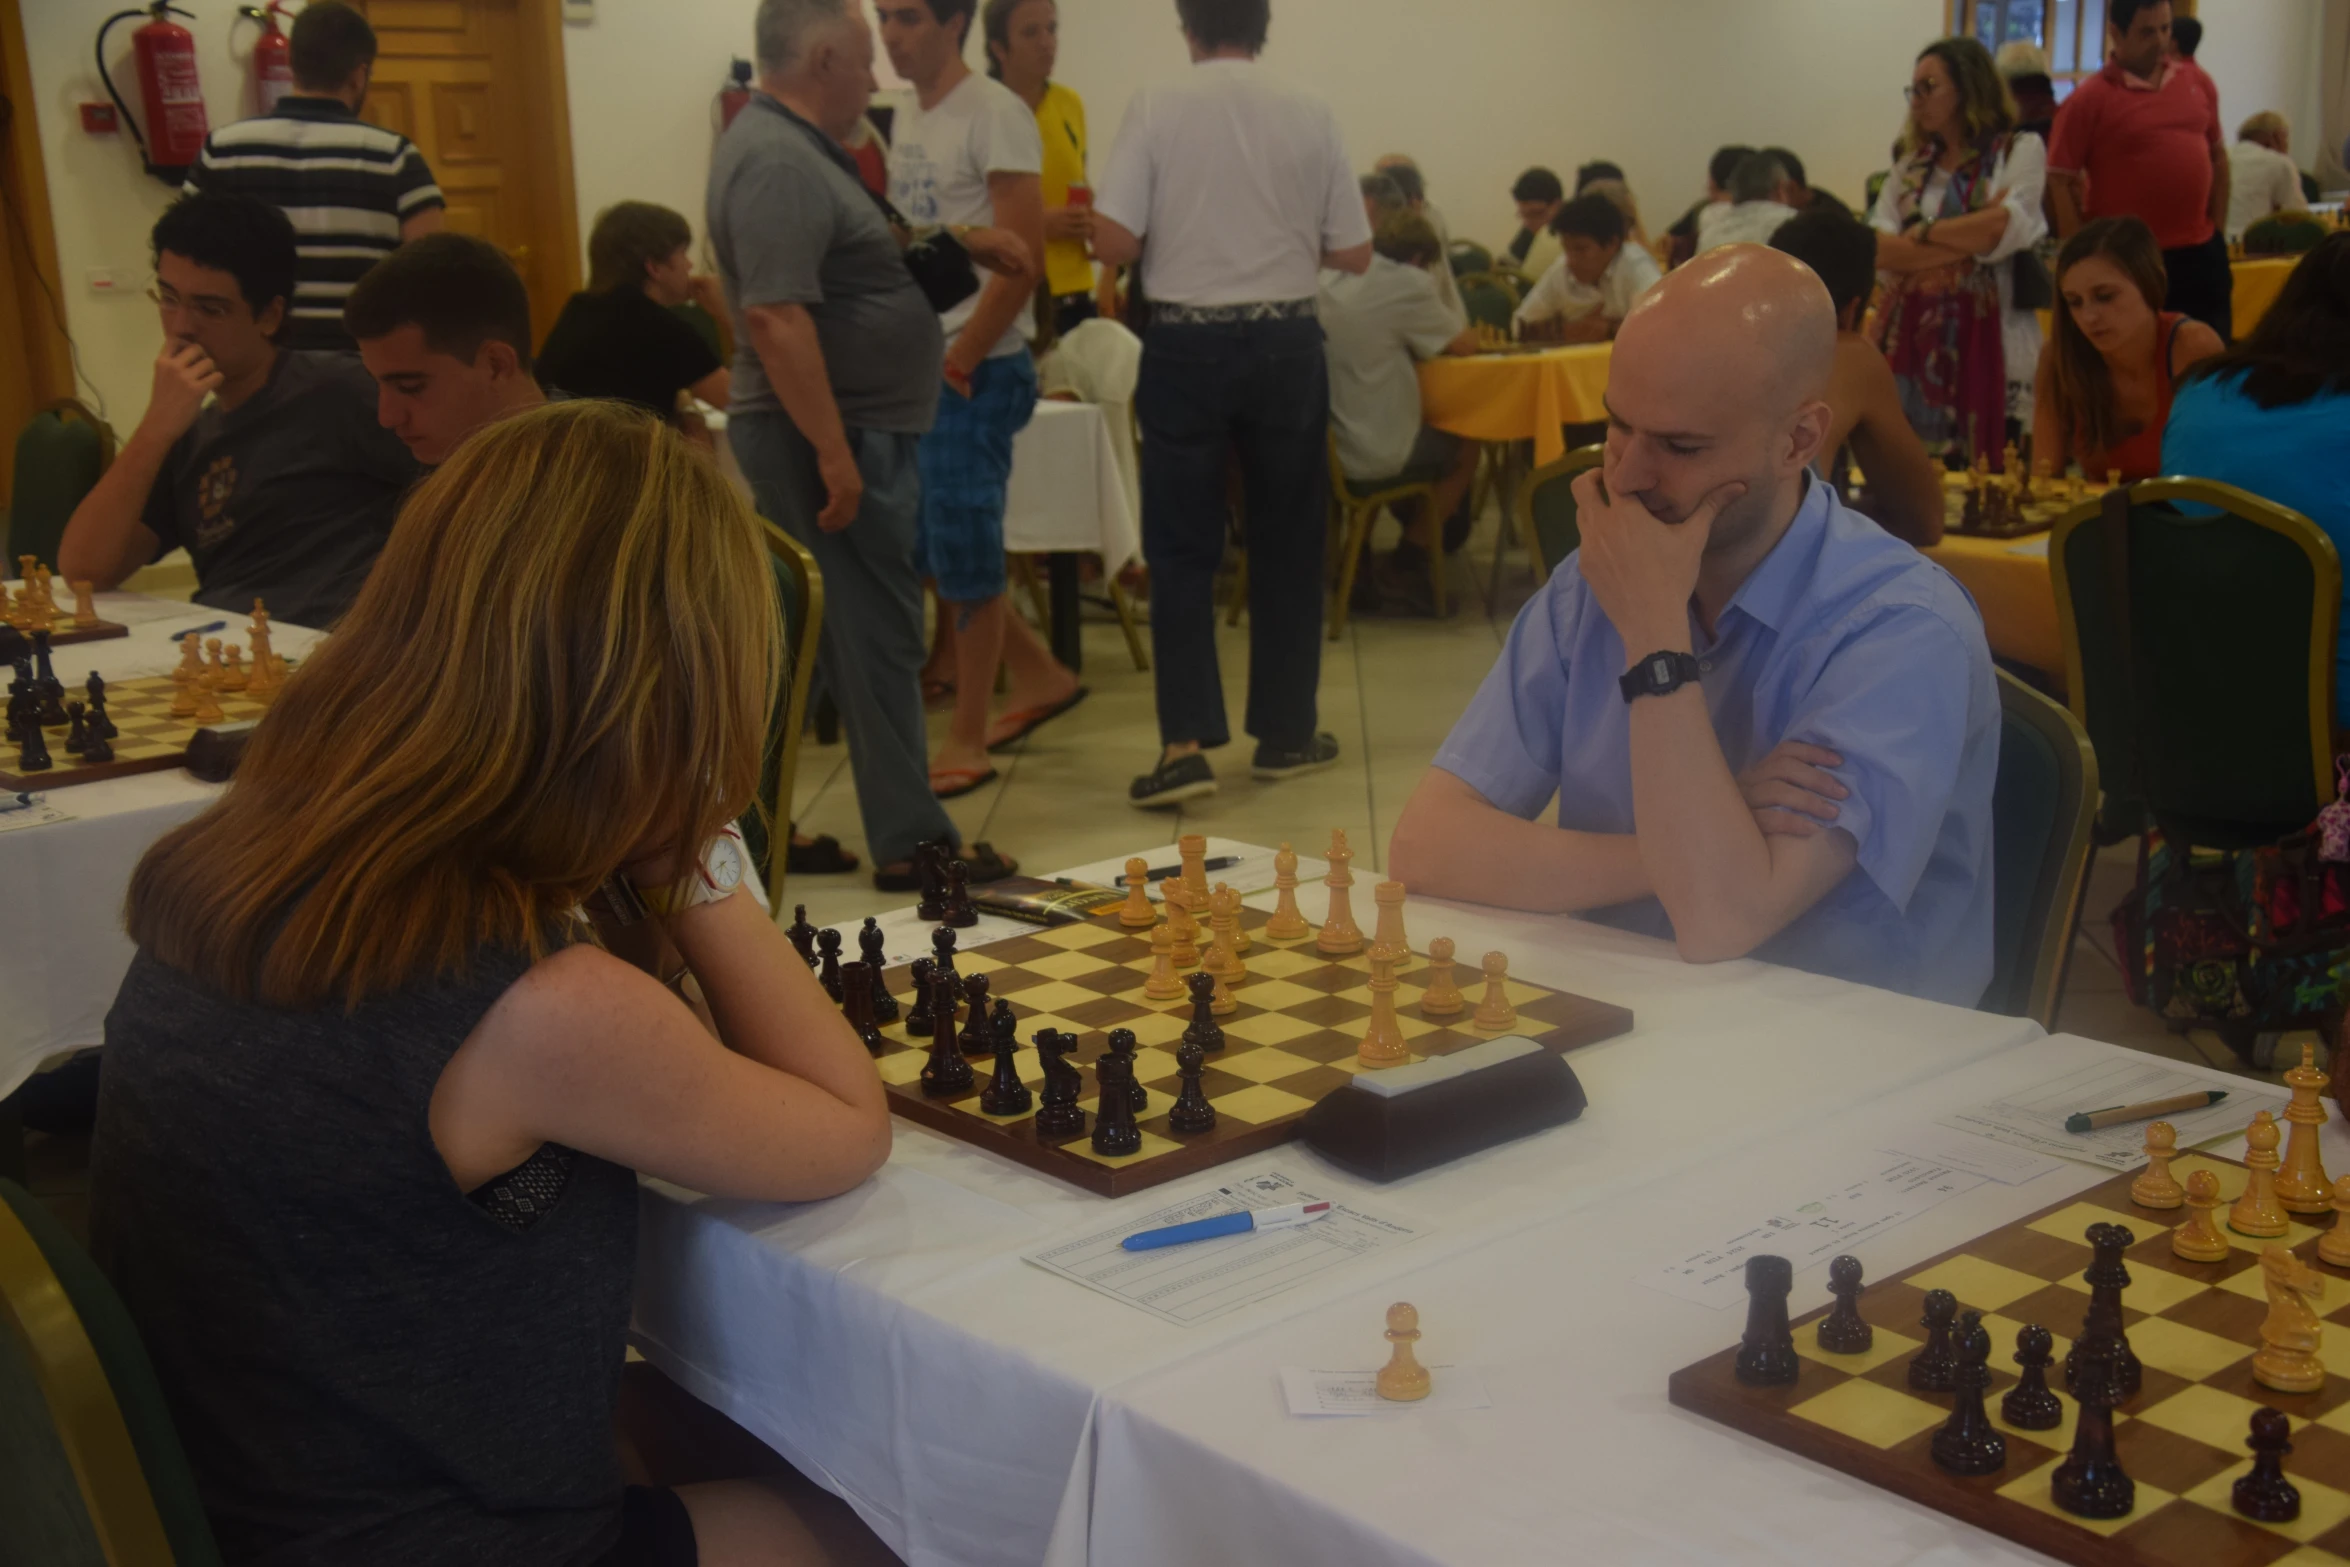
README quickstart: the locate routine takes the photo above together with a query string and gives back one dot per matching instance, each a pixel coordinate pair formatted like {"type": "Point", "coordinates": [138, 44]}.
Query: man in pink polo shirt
{"type": "Point", "coordinates": [2141, 137]}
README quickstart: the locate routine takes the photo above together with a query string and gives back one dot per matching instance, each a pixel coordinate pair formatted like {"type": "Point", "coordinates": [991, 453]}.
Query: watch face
{"type": "Point", "coordinates": [724, 866]}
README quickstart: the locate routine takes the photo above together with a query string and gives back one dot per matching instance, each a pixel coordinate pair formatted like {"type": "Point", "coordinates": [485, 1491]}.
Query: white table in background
{"type": "Point", "coordinates": [62, 947]}
{"type": "Point", "coordinates": [891, 1343]}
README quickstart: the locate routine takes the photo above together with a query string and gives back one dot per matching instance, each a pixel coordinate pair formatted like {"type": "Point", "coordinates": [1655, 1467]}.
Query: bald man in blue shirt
{"type": "Point", "coordinates": [1772, 727]}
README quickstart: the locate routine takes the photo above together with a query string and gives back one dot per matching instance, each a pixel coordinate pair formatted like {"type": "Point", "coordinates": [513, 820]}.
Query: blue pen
{"type": "Point", "coordinates": [197, 631]}
{"type": "Point", "coordinates": [1280, 1218]}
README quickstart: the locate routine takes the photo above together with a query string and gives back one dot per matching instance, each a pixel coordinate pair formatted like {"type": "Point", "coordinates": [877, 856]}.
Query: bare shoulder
{"type": "Point", "coordinates": [581, 999]}
{"type": "Point", "coordinates": [2194, 341]}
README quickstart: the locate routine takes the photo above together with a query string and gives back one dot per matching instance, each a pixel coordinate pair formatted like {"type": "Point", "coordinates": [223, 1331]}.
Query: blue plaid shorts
{"type": "Point", "coordinates": [966, 462]}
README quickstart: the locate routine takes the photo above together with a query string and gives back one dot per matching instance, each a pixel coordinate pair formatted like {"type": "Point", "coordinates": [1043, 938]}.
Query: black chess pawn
{"type": "Point", "coordinates": [2090, 1483]}
{"type": "Point", "coordinates": [958, 913]}
{"type": "Point", "coordinates": [857, 1006]}
{"type": "Point", "coordinates": [942, 950]}
{"type": "Point", "coordinates": [1968, 1444]}
{"type": "Point", "coordinates": [1934, 1368]}
{"type": "Point", "coordinates": [802, 934]}
{"type": "Point", "coordinates": [79, 735]}
{"type": "Point", "coordinates": [930, 870]}
{"type": "Point", "coordinates": [97, 750]}
{"type": "Point", "coordinates": [919, 1020]}
{"type": "Point", "coordinates": [1060, 1116]}
{"type": "Point", "coordinates": [1114, 1133]}
{"type": "Point", "coordinates": [2265, 1494]}
{"type": "Point", "coordinates": [978, 1030]}
{"type": "Point", "coordinates": [1005, 1094]}
{"type": "Point", "coordinates": [946, 1073]}
{"type": "Point", "coordinates": [1841, 1331]}
{"type": "Point", "coordinates": [2029, 1405]}
{"type": "Point", "coordinates": [101, 727]}
{"type": "Point", "coordinates": [1122, 1043]}
{"type": "Point", "coordinates": [1204, 1031]}
{"type": "Point", "coordinates": [1191, 1113]}
{"type": "Point", "coordinates": [2107, 1276]}
{"type": "Point", "coordinates": [828, 942]}
{"type": "Point", "coordinates": [871, 945]}
{"type": "Point", "coordinates": [1766, 1354]}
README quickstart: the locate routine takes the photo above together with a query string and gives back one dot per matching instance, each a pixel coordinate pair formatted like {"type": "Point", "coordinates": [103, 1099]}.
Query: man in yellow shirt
{"type": "Point", "coordinates": [1023, 42]}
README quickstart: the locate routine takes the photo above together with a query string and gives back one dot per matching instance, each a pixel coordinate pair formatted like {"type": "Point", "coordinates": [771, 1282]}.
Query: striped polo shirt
{"type": "Point", "coordinates": [347, 185]}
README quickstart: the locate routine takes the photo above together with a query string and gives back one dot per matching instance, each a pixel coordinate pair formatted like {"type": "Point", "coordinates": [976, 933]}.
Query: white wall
{"type": "Point", "coordinates": [2265, 54]}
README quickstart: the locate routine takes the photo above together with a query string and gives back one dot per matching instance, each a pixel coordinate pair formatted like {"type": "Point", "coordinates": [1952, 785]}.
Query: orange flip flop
{"type": "Point", "coordinates": [1013, 728]}
{"type": "Point", "coordinates": [948, 783]}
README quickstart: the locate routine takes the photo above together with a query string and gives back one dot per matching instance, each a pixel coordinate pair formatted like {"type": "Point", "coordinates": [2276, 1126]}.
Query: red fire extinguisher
{"type": "Point", "coordinates": [273, 56]}
{"type": "Point", "coordinates": [165, 53]}
{"type": "Point", "coordinates": [735, 95]}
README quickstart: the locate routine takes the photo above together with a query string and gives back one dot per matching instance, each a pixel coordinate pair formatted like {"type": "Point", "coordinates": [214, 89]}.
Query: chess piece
{"type": "Point", "coordinates": [1766, 1352]}
{"type": "Point", "coordinates": [1235, 940]}
{"type": "Point", "coordinates": [208, 710]}
{"type": "Point", "coordinates": [1383, 1042]}
{"type": "Point", "coordinates": [2265, 1495]}
{"type": "Point", "coordinates": [85, 603]}
{"type": "Point", "coordinates": [1059, 1116]}
{"type": "Point", "coordinates": [2090, 1483]}
{"type": "Point", "coordinates": [49, 689]}
{"type": "Point", "coordinates": [1403, 1379]}
{"type": "Point", "coordinates": [268, 668]}
{"type": "Point", "coordinates": [232, 675]}
{"type": "Point", "coordinates": [1191, 1113]}
{"type": "Point", "coordinates": [1841, 1331]}
{"type": "Point", "coordinates": [32, 753]}
{"type": "Point", "coordinates": [213, 668]}
{"type": "Point", "coordinates": [828, 943]}
{"type": "Point", "coordinates": [1442, 998]}
{"type": "Point", "coordinates": [2029, 1405]}
{"type": "Point", "coordinates": [946, 1073]}
{"type": "Point", "coordinates": [1122, 1043]}
{"type": "Point", "coordinates": [1192, 849]}
{"type": "Point", "coordinates": [1220, 1000]}
{"type": "Point", "coordinates": [801, 934]}
{"type": "Point", "coordinates": [1005, 1094]}
{"type": "Point", "coordinates": [872, 947]}
{"type": "Point", "coordinates": [2156, 1187]}
{"type": "Point", "coordinates": [1115, 1135]}
{"type": "Point", "coordinates": [78, 735]}
{"type": "Point", "coordinates": [97, 751]}
{"type": "Point", "coordinates": [1340, 935]}
{"type": "Point", "coordinates": [1934, 1368]}
{"type": "Point", "coordinates": [2199, 1239]}
{"type": "Point", "coordinates": [1494, 1011]}
{"type": "Point", "coordinates": [2334, 1245]}
{"type": "Point", "coordinates": [919, 1021]}
{"type": "Point", "coordinates": [942, 949]}
{"type": "Point", "coordinates": [2287, 1358]}
{"type": "Point", "coordinates": [1181, 926]}
{"type": "Point", "coordinates": [1389, 937]}
{"type": "Point", "coordinates": [101, 727]}
{"type": "Point", "coordinates": [930, 870]}
{"type": "Point", "coordinates": [1968, 1444]}
{"type": "Point", "coordinates": [978, 1034]}
{"type": "Point", "coordinates": [856, 988]}
{"type": "Point", "coordinates": [2301, 1185]}
{"type": "Point", "coordinates": [1204, 1031]}
{"type": "Point", "coordinates": [1286, 924]}
{"type": "Point", "coordinates": [1138, 913]}
{"type": "Point", "coordinates": [1219, 959]}
{"type": "Point", "coordinates": [959, 912]}
{"type": "Point", "coordinates": [2107, 1276]}
{"type": "Point", "coordinates": [2257, 1212]}
{"type": "Point", "coordinates": [1162, 984]}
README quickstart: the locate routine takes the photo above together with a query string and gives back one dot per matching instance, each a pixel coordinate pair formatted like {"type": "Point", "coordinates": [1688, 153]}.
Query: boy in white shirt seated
{"type": "Point", "coordinates": [1589, 290]}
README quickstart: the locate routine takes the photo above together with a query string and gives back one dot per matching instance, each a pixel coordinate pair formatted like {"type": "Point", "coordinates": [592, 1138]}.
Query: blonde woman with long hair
{"type": "Point", "coordinates": [374, 1102]}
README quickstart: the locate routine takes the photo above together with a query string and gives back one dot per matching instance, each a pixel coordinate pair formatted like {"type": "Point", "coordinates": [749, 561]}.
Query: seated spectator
{"type": "Point", "coordinates": [1597, 169]}
{"type": "Point", "coordinates": [2104, 389]}
{"type": "Point", "coordinates": [1620, 195]}
{"type": "Point", "coordinates": [2024, 68]}
{"type": "Point", "coordinates": [444, 327]}
{"type": "Point", "coordinates": [2269, 414]}
{"type": "Point", "coordinates": [1375, 328]}
{"type": "Point", "coordinates": [375, 1100]}
{"type": "Point", "coordinates": [1539, 196]}
{"type": "Point", "coordinates": [622, 337]}
{"type": "Point", "coordinates": [1904, 484]}
{"type": "Point", "coordinates": [1414, 190]}
{"type": "Point", "coordinates": [1795, 190]}
{"type": "Point", "coordinates": [1753, 212]}
{"type": "Point", "coordinates": [1589, 290]}
{"type": "Point", "coordinates": [1798, 765]}
{"type": "Point", "coordinates": [1681, 238]}
{"type": "Point", "coordinates": [281, 487]}
{"type": "Point", "coordinates": [1382, 198]}
{"type": "Point", "coordinates": [2262, 177]}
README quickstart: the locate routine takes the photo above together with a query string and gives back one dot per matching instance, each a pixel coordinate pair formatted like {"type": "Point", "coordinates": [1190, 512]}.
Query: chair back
{"type": "Point", "coordinates": [91, 1470]}
{"type": "Point", "coordinates": [1467, 256]}
{"type": "Point", "coordinates": [1546, 505]}
{"type": "Point", "coordinates": [2283, 234]}
{"type": "Point", "coordinates": [799, 585]}
{"type": "Point", "coordinates": [2043, 812]}
{"type": "Point", "coordinates": [2208, 684]}
{"type": "Point", "coordinates": [1488, 300]}
{"type": "Point", "coordinates": [59, 455]}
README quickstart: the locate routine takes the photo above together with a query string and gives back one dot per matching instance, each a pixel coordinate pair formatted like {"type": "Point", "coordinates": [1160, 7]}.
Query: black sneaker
{"type": "Point", "coordinates": [1172, 783]}
{"type": "Point", "coordinates": [1273, 761]}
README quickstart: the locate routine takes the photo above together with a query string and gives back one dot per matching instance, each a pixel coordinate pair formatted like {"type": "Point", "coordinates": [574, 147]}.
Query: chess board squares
{"type": "Point", "coordinates": [1050, 995]}
{"type": "Point", "coordinates": [2151, 1290]}
{"type": "Point", "coordinates": [1126, 1011]}
{"type": "Point", "coordinates": [1260, 1066]}
{"type": "Point", "coordinates": [1978, 1284]}
{"type": "Point", "coordinates": [2032, 1490]}
{"type": "Point", "coordinates": [1268, 1028]}
{"type": "Point", "coordinates": [2323, 1508]}
{"type": "Point", "coordinates": [1153, 1145]}
{"type": "Point", "coordinates": [1080, 936]}
{"type": "Point", "coordinates": [1261, 1104]}
{"type": "Point", "coordinates": [2237, 1378]}
{"type": "Point", "coordinates": [1281, 962]}
{"type": "Point", "coordinates": [1870, 1412]}
{"type": "Point", "coordinates": [1075, 965]}
{"type": "Point", "coordinates": [1884, 1347]}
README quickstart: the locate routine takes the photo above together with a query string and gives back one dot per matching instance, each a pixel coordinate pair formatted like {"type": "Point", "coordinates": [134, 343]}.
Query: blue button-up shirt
{"type": "Point", "coordinates": [1844, 637]}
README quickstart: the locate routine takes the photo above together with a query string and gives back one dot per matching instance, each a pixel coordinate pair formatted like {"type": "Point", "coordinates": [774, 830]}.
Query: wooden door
{"type": "Point", "coordinates": [36, 366]}
{"type": "Point", "coordinates": [478, 86]}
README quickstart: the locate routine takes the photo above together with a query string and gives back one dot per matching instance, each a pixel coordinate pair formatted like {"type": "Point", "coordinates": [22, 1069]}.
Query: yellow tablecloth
{"type": "Point", "coordinates": [2009, 579]}
{"type": "Point", "coordinates": [2257, 283]}
{"type": "Point", "coordinates": [1516, 397]}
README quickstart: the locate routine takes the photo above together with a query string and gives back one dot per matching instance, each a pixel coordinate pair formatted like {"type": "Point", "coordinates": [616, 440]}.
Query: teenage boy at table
{"type": "Point", "coordinates": [281, 487]}
{"type": "Point", "coordinates": [1589, 290]}
{"type": "Point", "coordinates": [1538, 195]}
{"type": "Point", "coordinates": [1771, 727]}
{"type": "Point", "coordinates": [444, 327]}
{"type": "Point", "coordinates": [1864, 402]}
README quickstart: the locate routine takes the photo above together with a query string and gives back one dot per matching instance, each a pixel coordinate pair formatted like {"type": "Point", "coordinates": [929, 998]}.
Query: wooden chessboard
{"type": "Point", "coordinates": [1291, 1039]}
{"type": "Point", "coordinates": [2037, 515]}
{"type": "Point", "coordinates": [2194, 1326]}
{"type": "Point", "coordinates": [65, 633]}
{"type": "Point", "coordinates": [150, 739]}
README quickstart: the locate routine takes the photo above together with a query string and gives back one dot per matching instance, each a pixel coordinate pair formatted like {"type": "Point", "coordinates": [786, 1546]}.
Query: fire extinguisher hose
{"type": "Point", "coordinates": [120, 107]}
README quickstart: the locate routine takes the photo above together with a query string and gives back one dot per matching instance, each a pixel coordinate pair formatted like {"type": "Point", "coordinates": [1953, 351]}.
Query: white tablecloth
{"type": "Point", "coordinates": [62, 948]}
{"type": "Point", "coordinates": [891, 1343]}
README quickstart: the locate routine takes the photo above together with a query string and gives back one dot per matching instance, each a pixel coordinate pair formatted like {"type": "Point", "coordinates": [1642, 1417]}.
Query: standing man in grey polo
{"type": "Point", "coordinates": [835, 380]}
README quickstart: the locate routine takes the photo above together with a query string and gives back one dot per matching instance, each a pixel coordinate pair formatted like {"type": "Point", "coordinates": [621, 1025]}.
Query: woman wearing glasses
{"type": "Point", "coordinates": [1962, 202]}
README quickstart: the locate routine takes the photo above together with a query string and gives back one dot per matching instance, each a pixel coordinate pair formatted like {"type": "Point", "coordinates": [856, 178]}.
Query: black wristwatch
{"type": "Point", "coordinates": [1659, 674]}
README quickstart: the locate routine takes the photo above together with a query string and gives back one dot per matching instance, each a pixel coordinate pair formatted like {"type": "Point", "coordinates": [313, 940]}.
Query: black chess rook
{"type": "Point", "coordinates": [1766, 1354]}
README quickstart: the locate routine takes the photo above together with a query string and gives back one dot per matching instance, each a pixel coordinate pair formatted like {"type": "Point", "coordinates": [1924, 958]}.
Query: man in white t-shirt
{"type": "Point", "coordinates": [1753, 213]}
{"type": "Point", "coordinates": [966, 151]}
{"type": "Point", "coordinates": [2262, 177]}
{"type": "Point", "coordinates": [1233, 191]}
{"type": "Point", "coordinates": [1589, 290]}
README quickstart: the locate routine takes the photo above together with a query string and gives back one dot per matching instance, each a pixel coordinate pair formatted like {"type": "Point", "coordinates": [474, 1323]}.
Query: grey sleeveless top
{"type": "Point", "coordinates": [365, 1366]}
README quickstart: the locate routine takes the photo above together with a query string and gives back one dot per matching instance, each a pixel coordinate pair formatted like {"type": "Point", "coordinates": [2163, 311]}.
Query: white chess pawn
{"type": "Point", "coordinates": [1494, 1010]}
{"type": "Point", "coordinates": [1138, 913]}
{"type": "Point", "coordinates": [2156, 1187]}
{"type": "Point", "coordinates": [1403, 1378]}
{"type": "Point", "coordinates": [2334, 1245]}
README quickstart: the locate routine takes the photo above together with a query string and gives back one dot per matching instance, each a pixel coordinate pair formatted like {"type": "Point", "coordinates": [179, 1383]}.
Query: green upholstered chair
{"type": "Point", "coordinates": [1546, 508]}
{"type": "Point", "coordinates": [59, 456]}
{"type": "Point", "coordinates": [799, 586]}
{"type": "Point", "coordinates": [91, 1471]}
{"type": "Point", "coordinates": [1489, 300]}
{"type": "Point", "coordinates": [1467, 256]}
{"type": "Point", "coordinates": [2043, 812]}
{"type": "Point", "coordinates": [2213, 715]}
{"type": "Point", "coordinates": [1358, 507]}
{"type": "Point", "coordinates": [2283, 234]}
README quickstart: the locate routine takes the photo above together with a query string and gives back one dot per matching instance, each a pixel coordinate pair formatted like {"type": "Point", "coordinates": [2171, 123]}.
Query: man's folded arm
{"type": "Point", "coordinates": [1452, 842]}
